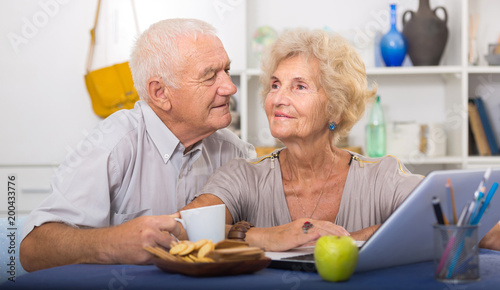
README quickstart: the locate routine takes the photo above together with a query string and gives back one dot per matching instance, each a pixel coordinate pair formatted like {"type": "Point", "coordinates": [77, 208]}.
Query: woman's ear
{"type": "Point", "coordinates": [158, 93]}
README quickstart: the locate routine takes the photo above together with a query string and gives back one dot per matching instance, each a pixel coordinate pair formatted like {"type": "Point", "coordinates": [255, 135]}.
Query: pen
{"type": "Point", "coordinates": [449, 186]}
{"type": "Point", "coordinates": [461, 219]}
{"type": "Point", "coordinates": [477, 203]}
{"type": "Point", "coordinates": [444, 258]}
{"type": "Point", "coordinates": [485, 204]}
{"type": "Point", "coordinates": [437, 210]}
{"type": "Point", "coordinates": [479, 194]}
{"type": "Point", "coordinates": [468, 216]}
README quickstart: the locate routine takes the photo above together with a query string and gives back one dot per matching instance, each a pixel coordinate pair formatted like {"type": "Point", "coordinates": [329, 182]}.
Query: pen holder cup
{"type": "Point", "coordinates": [456, 253]}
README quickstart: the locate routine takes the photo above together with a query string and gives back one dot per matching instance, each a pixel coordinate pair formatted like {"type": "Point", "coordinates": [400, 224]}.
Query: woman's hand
{"type": "Point", "coordinates": [365, 234]}
{"type": "Point", "coordinates": [291, 235]}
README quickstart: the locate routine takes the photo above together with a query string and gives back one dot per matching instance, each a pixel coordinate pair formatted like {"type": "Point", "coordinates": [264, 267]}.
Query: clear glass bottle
{"type": "Point", "coordinates": [375, 131]}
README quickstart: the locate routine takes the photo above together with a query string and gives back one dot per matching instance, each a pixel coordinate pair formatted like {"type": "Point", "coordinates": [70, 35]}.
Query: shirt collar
{"type": "Point", "coordinates": [164, 140]}
{"type": "Point", "coordinates": [195, 152]}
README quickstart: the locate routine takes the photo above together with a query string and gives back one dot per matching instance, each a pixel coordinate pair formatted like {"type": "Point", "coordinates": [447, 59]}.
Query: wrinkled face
{"type": "Point", "coordinates": [205, 87]}
{"type": "Point", "coordinates": [295, 104]}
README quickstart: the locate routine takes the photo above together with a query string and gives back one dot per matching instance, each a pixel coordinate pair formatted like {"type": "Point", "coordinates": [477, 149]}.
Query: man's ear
{"type": "Point", "coordinates": [158, 93]}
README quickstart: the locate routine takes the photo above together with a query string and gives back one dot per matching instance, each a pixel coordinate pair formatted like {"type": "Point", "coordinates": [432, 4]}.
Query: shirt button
{"type": "Point", "coordinates": [166, 156]}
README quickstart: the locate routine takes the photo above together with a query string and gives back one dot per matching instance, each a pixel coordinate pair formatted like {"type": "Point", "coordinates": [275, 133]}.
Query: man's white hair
{"type": "Point", "coordinates": [156, 54]}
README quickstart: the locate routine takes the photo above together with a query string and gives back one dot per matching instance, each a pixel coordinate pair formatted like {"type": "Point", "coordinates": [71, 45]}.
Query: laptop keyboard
{"type": "Point", "coordinates": [306, 257]}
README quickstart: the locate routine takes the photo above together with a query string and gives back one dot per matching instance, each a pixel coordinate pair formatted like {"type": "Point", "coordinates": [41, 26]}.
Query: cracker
{"type": "Point", "coordinates": [207, 248]}
{"type": "Point", "coordinates": [189, 248]}
{"type": "Point", "coordinates": [175, 250]}
{"type": "Point", "coordinates": [200, 243]}
{"type": "Point", "coordinates": [187, 259]}
{"type": "Point", "coordinates": [204, 260]}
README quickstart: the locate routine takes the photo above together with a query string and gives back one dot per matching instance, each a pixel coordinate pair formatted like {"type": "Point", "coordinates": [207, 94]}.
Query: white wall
{"type": "Point", "coordinates": [45, 107]}
{"type": "Point", "coordinates": [44, 103]}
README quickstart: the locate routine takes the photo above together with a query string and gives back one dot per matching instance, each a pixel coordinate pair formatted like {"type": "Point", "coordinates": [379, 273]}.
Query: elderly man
{"type": "Point", "coordinates": [150, 161]}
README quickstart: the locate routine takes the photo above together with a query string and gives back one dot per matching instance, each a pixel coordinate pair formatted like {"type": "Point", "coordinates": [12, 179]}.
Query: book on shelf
{"type": "Point", "coordinates": [473, 150]}
{"type": "Point", "coordinates": [485, 121]}
{"type": "Point", "coordinates": [477, 130]}
{"type": "Point", "coordinates": [492, 105]}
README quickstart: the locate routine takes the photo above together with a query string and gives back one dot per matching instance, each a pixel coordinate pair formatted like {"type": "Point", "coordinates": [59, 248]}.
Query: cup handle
{"type": "Point", "coordinates": [181, 221]}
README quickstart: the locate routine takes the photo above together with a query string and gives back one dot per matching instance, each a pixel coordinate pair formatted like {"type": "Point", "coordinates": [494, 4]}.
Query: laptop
{"type": "Point", "coordinates": [407, 235]}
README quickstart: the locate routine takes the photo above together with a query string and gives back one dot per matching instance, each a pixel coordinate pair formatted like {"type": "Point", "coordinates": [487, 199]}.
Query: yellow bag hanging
{"type": "Point", "coordinates": [110, 88]}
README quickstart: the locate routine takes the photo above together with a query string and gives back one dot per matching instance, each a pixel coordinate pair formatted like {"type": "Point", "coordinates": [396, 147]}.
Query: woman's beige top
{"type": "Point", "coordinates": [253, 191]}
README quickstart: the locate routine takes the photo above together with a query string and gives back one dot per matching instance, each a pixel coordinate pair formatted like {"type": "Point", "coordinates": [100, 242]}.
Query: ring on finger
{"type": "Point", "coordinates": [306, 226]}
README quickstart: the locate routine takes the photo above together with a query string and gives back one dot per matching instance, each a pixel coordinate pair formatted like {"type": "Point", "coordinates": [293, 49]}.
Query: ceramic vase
{"type": "Point", "coordinates": [426, 34]}
{"type": "Point", "coordinates": [393, 44]}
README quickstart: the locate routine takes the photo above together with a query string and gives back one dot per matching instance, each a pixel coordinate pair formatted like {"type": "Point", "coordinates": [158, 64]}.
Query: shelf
{"type": "Point", "coordinates": [433, 160]}
{"type": "Point", "coordinates": [412, 70]}
{"type": "Point", "coordinates": [409, 70]}
{"type": "Point", "coordinates": [483, 69]}
{"type": "Point", "coordinates": [493, 160]}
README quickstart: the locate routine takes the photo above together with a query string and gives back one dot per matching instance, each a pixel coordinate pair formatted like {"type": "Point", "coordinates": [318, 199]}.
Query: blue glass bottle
{"type": "Point", "coordinates": [393, 44]}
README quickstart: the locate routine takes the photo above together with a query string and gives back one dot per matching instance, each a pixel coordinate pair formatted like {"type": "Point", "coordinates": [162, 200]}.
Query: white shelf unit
{"type": "Point", "coordinates": [429, 94]}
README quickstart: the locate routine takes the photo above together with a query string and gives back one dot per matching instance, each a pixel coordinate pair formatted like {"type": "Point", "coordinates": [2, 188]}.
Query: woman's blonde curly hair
{"type": "Point", "coordinates": [341, 71]}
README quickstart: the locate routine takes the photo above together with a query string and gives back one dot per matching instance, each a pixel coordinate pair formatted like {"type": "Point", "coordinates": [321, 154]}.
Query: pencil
{"type": "Point", "coordinates": [445, 220]}
{"type": "Point", "coordinates": [452, 195]}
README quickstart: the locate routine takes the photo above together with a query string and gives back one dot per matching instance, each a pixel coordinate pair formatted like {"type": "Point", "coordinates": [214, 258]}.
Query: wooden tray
{"type": "Point", "coordinates": [212, 269]}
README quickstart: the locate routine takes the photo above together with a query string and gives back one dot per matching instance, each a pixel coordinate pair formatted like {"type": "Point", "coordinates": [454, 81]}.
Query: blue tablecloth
{"type": "Point", "coordinates": [414, 276]}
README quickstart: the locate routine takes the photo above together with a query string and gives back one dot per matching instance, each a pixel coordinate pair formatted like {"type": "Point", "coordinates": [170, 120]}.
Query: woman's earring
{"type": "Point", "coordinates": [332, 126]}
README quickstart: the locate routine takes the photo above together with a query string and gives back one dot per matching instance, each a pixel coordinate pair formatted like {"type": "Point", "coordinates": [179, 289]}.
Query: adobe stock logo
{"type": "Point", "coordinates": [30, 27]}
{"type": "Point", "coordinates": [364, 36]}
{"type": "Point", "coordinates": [223, 6]}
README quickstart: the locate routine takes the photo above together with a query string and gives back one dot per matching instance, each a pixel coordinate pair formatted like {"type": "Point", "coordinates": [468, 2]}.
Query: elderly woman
{"type": "Point", "coordinates": [315, 89]}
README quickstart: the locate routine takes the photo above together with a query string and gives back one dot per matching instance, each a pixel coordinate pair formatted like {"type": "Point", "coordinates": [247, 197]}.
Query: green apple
{"type": "Point", "coordinates": [335, 257]}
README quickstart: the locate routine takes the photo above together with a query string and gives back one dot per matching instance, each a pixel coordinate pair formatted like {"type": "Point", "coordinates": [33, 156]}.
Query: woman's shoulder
{"type": "Point", "coordinates": [259, 164]}
{"type": "Point", "coordinates": [265, 159]}
{"type": "Point", "coordinates": [383, 174]}
{"type": "Point", "coordinates": [385, 163]}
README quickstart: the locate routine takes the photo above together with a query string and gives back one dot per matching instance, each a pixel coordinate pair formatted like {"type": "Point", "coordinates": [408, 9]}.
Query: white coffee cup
{"type": "Point", "coordinates": [204, 222]}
